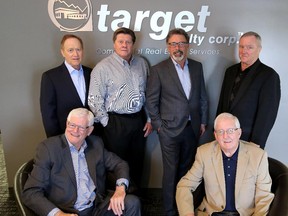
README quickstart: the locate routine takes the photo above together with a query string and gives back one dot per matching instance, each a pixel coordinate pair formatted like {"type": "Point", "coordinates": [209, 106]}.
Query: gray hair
{"type": "Point", "coordinates": [229, 116]}
{"type": "Point", "coordinates": [177, 31]}
{"type": "Point", "coordinates": [82, 112]}
{"type": "Point", "coordinates": [256, 35]}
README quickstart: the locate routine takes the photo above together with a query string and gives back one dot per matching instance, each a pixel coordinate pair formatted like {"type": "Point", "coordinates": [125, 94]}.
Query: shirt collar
{"type": "Point", "coordinates": [178, 65]}
{"type": "Point", "coordinates": [250, 67]}
{"type": "Point", "coordinates": [73, 148]}
{"type": "Point", "coordinates": [121, 60]}
{"type": "Point", "coordinates": [233, 157]}
{"type": "Point", "coordinates": [70, 68]}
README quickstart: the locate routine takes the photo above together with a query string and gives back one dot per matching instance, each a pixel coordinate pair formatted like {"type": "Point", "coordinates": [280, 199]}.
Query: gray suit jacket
{"type": "Point", "coordinates": [167, 103]}
{"type": "Point", "coordinates": [252, 186]}
{"type": "Point", "coordinates": [52, 182]}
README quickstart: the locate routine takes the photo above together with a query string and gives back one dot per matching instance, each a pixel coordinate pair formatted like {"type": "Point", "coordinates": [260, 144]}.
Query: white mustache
{"type": "Point", "coordinates": [178, 51]}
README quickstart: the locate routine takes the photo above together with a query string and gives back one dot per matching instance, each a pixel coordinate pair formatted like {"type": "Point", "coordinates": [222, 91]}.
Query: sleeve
{"type": "Point", "coordinates": [38, 182]}
{"type": "Point", "coordinates": [96, 95]}
{"type": "Point", "coordinates": [153, 93]}
{"type": "Point", "coordinates": [114, 163]}
{"type": "Point", "coordinates": [187, 185]}
{"type": "Point", "coordinates": [222, 102]}
{"type": "Point", "coordinates": [263, 196]}
{"type": "Point", "coordinates": [147, 75]}
{"type": "Point", "coordinates": [268, 105]}
{"type": "Point", "coordinates": [203, 100]}
{"type": "Point", "coordinates": [48, 106]}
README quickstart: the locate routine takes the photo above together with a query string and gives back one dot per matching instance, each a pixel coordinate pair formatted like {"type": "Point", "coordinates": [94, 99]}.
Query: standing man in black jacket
{"type": "Point", "coordinates": [251, 92]}
{"type": "Point", "coordinates": [65, 87]}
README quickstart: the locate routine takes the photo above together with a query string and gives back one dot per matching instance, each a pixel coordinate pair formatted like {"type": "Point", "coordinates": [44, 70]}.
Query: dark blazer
{"type": "Point", "coordinates": [256, 103]}
{"type": "Point", "coordinates": [52, 182]}
{"type": "Point", "coordinates": [167, 103]}
{"type": "Point", "coordinates": [58, 96]}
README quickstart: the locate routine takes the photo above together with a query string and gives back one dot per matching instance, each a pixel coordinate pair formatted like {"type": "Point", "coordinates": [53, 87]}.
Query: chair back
{"type": "Point", "coordinates": [19, 182]}
{"type": "Point", "coordinates": [279, 174]}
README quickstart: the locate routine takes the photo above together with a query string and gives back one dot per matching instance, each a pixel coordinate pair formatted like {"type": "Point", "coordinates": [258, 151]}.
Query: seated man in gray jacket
{"type": "Point", "coordinates": [68, 177]}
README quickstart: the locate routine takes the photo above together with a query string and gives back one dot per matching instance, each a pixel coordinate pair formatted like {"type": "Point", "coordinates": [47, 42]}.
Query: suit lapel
{"type": "Point", "coordinates": [91, 159]}
{"type": "Point", "coordinates": [87, 83]}
{"type": "Point", "coordinates": [173, 73]}
{"type": "Point", "coordinates": [230, 84]}
{"type": "Point", "coordinates": [244, 85]}
{"type": "Point", "coordinates": [69, 85]}
{"type": "Point", "coordinates": [67, 157]}
{"type": "Point", "coordinates": [192, 79]}
{"type": "Point", "coordinates": [218, 165]}
{"type": "Point", "coordinates": [242, 162]}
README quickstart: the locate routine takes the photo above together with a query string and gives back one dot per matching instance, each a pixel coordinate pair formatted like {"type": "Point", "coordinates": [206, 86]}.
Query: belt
{"type": "Point", "coordinates": [226, 213]}
{"type": "Point", "coordinates": [128, 115]}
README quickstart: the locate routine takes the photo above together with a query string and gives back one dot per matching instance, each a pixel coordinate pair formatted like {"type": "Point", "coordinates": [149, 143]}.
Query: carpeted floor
{"type": "Point", "coordinates": [152, 202]}
{"type": "Point", "coordinates": [7, 201]}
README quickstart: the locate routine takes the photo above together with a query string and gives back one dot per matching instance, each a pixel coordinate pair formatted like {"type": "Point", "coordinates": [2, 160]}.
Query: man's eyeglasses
{"type": "Point", "coordinates": [73, 126]}
{"type": "Point", "coordinates": [228, 131]}
{"type": "Point", "coordinates": [175, 44]}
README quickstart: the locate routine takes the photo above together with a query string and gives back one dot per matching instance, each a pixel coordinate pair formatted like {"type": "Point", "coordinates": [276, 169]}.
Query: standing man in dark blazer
{"type": "Point", "coordinates": [65, 87]}
{"type": "Point", "coordinates": [251, 92]}
{"type": "Point", "coordinates": [178, 107]}
{"type": "Point", "coordinates": [69, 172]}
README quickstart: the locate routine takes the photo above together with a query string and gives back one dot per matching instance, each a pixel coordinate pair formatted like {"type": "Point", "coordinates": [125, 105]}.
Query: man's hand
{"type": "Point", "coordinates": [117, 201]}
{"type": "Point", "coordinates": [148, 129]}
{"type": "Point", "coordinates": [202, 129]}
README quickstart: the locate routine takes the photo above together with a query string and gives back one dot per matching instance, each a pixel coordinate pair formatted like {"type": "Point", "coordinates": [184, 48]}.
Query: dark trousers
{"type": "Point", "coordinates": [86, 212]}
{"type": "Point", "coordinates": [178, 155]}
{"type": "Point", "coordinates": [131, 203]}
{"type": "Point", "coordinates": [226, 213]}
{"type": "Point", "coordinates": [132, 207]}
{"type": "Point", "coordinates": [124, 136]}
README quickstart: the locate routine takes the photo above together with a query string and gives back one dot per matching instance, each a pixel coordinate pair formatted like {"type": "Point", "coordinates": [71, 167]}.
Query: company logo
{"type": "Point", "coordinates": [71, 15]}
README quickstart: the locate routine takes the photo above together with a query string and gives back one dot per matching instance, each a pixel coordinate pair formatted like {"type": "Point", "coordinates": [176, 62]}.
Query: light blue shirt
{"type": "Point", "coordinates": [184, 77]}
{"type": "Point", "coordinates": [78, 79]}
{"type": "Point", "coordinates": [85, 185]}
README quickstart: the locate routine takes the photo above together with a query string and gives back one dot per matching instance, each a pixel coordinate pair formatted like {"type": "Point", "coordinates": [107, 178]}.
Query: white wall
{"type": "Point", "coordinates": [29, 43]}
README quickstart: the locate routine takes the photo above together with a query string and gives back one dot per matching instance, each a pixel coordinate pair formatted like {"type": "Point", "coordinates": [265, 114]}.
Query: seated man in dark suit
{"type": "Point", "coordinates": [68, 177]}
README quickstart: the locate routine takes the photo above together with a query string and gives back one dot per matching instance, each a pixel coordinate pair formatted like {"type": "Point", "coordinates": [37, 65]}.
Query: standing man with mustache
{"type": "Point", "coordinates": [178, 107]}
